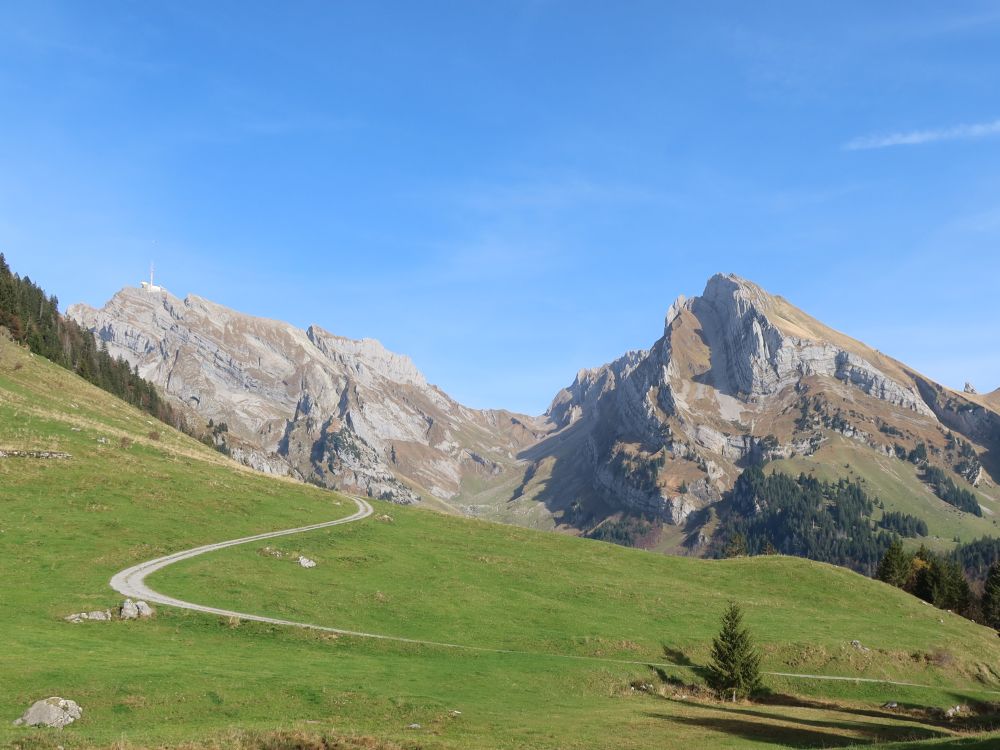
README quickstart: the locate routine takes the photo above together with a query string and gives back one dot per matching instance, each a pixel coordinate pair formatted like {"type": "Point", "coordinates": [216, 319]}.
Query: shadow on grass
{"type": "Point", "coordinates": [895, 731]}
{"type": "Point", "coordinates": [910, 722]}
{"type": "Point", "coordinates": [794, 731]}
{"type": "Point", "coordinates": [968, 743]}
{"type": "Point", "coordinates": [679, 658]}
{"type": "Point", "coordinates": [910, 712]}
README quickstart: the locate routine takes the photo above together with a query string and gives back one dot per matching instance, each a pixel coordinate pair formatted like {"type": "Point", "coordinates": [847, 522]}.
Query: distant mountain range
{"type": "Point", "coordinates": [739, 377]}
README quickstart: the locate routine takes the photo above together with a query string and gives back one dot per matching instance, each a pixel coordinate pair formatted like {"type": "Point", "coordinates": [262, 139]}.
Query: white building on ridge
{"type": "Point", "coordinates": [149, 286]}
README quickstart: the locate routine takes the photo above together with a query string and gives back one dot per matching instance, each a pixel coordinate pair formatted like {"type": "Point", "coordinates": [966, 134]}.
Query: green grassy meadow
{"type": "Point", "coordinates": [134, 490]}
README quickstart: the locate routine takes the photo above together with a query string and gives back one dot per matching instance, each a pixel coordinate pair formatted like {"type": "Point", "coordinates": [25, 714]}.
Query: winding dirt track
{"type": "Point", "coordinates": [131, 582]}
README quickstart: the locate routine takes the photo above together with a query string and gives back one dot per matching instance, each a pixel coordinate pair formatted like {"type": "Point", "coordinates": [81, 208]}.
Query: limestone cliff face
{"type": "Point", "coordinates": [739, 375]}
{"type": "Point", "coordinates": [760, 357]}
{"type": "Point", "coordinates": [344, 413]}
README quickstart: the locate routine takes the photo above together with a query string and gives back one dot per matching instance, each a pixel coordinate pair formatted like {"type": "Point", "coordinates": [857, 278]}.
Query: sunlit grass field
{"type": "Point", "coordinates": [134, 490]}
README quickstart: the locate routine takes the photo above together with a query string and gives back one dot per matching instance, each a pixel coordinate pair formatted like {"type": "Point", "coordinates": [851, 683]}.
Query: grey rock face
{"type": "Point", "coordinates": [728, 361]}
{"type": "Point", "coordinates": [144, 610]}
{"type": "Point", "coordinates": [51, 712]}
{"type": "Point", "coordinates": [343, 413]}
{"type": "Point", "coordinates": [129, 610]}
{"type": "Point", "coordinates": [760, 358]}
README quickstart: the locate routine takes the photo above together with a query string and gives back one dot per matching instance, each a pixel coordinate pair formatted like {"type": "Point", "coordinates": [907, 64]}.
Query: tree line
{"type": "Point", "coordinates": [935, 578]}
{"type": "Point", "coordinates": [946, 489]}
{"type": "Point", "coordinates": [941, 580]}
{"type": "Point", "coordinates": [831, 522]}
{"type": "Point", "coordinates": [805, 517]}
{"type": "Point", "coordinates": [33, 320]}
{"type": "Point", "coordinates": [903, 524]}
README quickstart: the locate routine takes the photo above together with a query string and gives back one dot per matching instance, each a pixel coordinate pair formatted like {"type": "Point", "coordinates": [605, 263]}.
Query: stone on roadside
{"type": "Point", "coordinates": [144, 609]}
{"type": "Point", "coordinates": [51, 712]}
{"type": "Point", "coordinates": [129, 611]}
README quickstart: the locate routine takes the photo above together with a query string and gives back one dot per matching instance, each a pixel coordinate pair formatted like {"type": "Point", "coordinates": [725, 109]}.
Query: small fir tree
{"type": "Point", "coordinates": [737, 546]}
{"type": "Point", "coordinates": [991, 597]}
{"type": "Point", "coordinates": [735, 668]}
{"type": "Point", "coordinates": [894, 567]}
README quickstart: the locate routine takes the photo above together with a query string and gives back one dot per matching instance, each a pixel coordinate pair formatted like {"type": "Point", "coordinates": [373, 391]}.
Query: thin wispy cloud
{"type": "Point", "coordinates": [917, 137]}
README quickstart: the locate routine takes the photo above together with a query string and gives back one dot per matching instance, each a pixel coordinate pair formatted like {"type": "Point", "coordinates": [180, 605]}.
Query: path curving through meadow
{"type": "Point", "coordinates": [131, 582]}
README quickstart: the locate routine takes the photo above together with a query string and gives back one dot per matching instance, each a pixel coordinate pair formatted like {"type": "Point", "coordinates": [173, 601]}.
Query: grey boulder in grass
{"type": "Point", "coordinates": [51, 712]}
{"type": "Point", "coordinates": [135, 610]}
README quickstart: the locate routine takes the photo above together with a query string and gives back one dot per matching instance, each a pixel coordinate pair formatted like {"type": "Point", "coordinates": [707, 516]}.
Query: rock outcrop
{"type": "Point", "coordinates": [739, 376]}
{"type": "Point", "coordinates": [134, 610]}
{"type": "Point", "coordinates": [99, 615]}
{"type": "Point", "coordinates": [342, 413]}
{"type": "Point", "coordinates": [52, 712]}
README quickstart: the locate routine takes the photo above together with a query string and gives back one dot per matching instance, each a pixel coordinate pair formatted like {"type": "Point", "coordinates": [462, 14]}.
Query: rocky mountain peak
{"type": "Point", "coordinates": [738, 375]}
{"type": "Point", "coordinates": [728, 288]}
{"type": "Point", "coordinates": [672, 312]}
{"type": "Point", "coordinates": [338, 411]}
{"type": "Point", "coordinates": [367, 358]}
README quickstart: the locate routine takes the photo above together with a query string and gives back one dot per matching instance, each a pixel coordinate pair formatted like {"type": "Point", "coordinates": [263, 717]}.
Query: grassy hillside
{"type": "Point", "coordinates": [134, 490]}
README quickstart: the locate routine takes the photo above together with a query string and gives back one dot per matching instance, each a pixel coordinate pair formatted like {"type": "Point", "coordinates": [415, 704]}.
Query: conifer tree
{"type": "Point", "coordinates": [991, 597]}
{"type": "Point", "coordinates": [735, 668]}
{"type": "Point", "coordinates": [737, 546]}
{"type": "Point", "coordinates": [894, 568]}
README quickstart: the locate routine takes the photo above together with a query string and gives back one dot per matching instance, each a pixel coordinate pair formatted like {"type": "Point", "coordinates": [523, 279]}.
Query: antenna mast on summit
{"type": "Point", "coordinates": [150, 286]}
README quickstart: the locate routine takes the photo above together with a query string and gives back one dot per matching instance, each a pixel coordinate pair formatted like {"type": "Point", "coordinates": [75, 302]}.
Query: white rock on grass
{"type": "Point", "coordinates": [129, 611]}
{"type": "Point", "coordinates": [51, 712]}
{"type": "Point", "coordinates": [305, 562]}
{"type": "Point", "coordinates": [144, 609]}
{"type": "Point", "coordinates": [98, 615]}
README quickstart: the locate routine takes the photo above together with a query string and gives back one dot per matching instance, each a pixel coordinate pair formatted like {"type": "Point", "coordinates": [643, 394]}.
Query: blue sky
{"type": "Point", "coordinates": [511, 190]}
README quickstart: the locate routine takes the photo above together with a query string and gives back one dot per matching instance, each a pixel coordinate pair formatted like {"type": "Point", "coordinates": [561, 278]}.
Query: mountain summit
{"type": "Point", "coordinates": [327, 409]}
{"type": "Point", "coordinates": [739, 376]}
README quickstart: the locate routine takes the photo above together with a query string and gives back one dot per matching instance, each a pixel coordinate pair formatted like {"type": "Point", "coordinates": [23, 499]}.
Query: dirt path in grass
{"type": "Point", "coordinates": [131, 582]}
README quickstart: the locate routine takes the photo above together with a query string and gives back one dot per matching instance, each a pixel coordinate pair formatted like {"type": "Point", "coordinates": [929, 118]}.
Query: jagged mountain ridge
{"type": "Point", "coordinates": [339, 412]}
{"type": "Point", "coordinates": [738, 375]}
